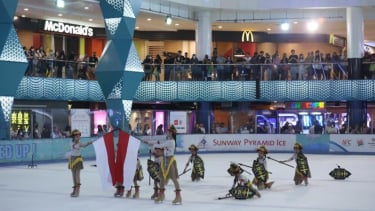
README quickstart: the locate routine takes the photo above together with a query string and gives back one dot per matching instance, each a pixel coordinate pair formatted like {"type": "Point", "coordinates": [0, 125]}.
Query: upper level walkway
{"type": "Point", "coordinates": [205, 82]}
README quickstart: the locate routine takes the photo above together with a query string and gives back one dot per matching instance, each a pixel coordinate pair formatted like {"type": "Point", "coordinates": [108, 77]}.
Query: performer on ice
{"type": "Point", "coordinates": [302, 172]}
{"type": "Point", "coordinates": [242, 187]}
{"type": "Point", "coordinates": [197, 172]}
{"type": "Point", "coordinates": [261, 175]}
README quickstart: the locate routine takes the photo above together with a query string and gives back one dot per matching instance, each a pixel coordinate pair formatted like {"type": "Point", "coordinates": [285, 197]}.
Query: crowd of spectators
{"type": "Point", "coordinates": [261, 65]}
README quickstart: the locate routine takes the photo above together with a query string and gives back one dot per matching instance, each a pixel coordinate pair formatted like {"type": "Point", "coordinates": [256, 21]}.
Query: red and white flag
{"type": "Point", "coordinates": [116, 167]}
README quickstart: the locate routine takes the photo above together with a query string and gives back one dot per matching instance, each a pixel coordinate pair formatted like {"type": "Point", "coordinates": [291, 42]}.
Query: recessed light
{"type": "Point", "coordinates": [15, 18]}
{"type": "Point", "coordinates": [59, 14]}
{"type": "Point", "coordinates": [176, 24]}
{"type": "Point", "coordinates": [26, 9]}
{"type": "Point", "coordinates": [60, 3]}
{"type": "Point", "coordinates": [219, 27]}
{"type": "Point", "coordinates": [90, 19]}
{"type": "Point", "coordinates": [23, 15]}
{"type": "Point", "coordinates": [86, 8]}
{"type": "Point", "coordinates": [149, 19]}
{"type": "Point", "coordinates": [137, 27]}
{"type": "Point", "coordinates": [268, 29]}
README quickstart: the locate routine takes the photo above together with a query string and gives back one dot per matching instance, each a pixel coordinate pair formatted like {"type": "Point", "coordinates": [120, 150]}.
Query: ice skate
{"type": "Point", "coordinates": [160, 197]}
{"type": "Point", "coordinates": [119, 191]}
{"type": "Point", "coordinates": [268, 185]}
{"type": "Point", "coordinates": [178, 199]}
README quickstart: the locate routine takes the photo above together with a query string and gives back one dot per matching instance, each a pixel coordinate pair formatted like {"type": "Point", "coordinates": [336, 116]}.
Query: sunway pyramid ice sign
{"type": "Point", "coordinates": [68, 28]}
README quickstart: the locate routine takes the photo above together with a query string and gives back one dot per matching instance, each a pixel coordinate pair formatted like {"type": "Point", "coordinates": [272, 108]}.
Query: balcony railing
{"type": "Point", "coordinates": [204, 72]}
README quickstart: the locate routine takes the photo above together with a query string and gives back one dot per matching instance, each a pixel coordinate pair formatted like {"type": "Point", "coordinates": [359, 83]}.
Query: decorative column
{"type": "Point", "coordinates": [13, 63]}
{"type": "Point", "coordinates": [356, 110]}
{"type": "Point", "coordinates": [203, 34]}
{"type": "Point", "coordinates": [119, 70]}
{"type": "Point", "coordinates": [203, 43]}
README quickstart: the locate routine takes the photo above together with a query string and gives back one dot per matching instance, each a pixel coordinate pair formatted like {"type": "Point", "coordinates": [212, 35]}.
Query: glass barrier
{"type": "Point", "coordinates": [205, 72]}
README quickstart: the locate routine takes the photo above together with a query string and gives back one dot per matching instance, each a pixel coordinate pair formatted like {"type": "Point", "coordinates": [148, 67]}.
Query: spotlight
{"type": "Point", "coordinates": [60, 3]}
{"type": "Point", "coordinates": [168, 20]}
{"type": "Point", "coordinates": [285, 26]}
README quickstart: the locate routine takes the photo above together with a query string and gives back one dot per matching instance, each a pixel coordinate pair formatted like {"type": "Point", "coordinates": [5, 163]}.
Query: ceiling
{"type": "Point", "coordinates": [153, 13]}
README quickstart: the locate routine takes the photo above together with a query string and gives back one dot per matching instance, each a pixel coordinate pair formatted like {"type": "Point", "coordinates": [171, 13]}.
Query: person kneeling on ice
{"type": "Point", "coordinates": [198, 166]}
{"type": "Point", "coordinates": [261, 174]}
{"type": "Point", "coordinates": [242, 187]}
{"type": "Point", "coordinates": [302, 170]}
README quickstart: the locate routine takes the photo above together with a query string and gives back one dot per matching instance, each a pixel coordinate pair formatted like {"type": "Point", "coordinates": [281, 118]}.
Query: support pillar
{"type": "Point", "coordinates": [203, 34]}
{"type": "Point", "coordinates": [204, 115]}
{"type": "Point", "coordinates": [356, 110]}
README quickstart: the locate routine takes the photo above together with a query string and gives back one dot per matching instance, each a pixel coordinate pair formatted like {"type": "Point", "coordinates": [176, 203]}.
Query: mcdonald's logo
{"type": "Point", "coordinates": [247, 36]}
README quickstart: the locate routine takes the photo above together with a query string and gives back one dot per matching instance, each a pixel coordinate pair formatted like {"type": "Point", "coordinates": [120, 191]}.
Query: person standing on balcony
{"type": "Point", "coordinates": [157, 67]}
{"type": "Point", "coordinates": [293, 59]}
{"type": "Point", "coordinates": [148, 67]}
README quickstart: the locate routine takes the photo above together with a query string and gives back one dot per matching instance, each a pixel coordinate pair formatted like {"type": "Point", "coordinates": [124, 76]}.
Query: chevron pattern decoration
{"type": "Point", "coordinates": [13, 63]}
{"type": "Point", "coordinates": [119, 71]}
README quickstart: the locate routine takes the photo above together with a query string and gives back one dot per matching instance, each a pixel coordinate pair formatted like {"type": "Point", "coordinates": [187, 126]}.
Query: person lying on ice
{"type": "Point", "coordinates": [242, 187]}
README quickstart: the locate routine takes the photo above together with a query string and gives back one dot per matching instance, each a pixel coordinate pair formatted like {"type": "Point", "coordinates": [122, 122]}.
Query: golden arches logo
{"type": "Point", "coordinates": [247, 36]}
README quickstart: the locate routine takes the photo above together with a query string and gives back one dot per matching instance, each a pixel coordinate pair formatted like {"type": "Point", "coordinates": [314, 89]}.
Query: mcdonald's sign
{"type": "Point", "coordinates": [247, 36]}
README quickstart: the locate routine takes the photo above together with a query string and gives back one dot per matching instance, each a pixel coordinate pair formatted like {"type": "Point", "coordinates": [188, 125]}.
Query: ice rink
{"type": "Point", "coordinates": [47, 187]}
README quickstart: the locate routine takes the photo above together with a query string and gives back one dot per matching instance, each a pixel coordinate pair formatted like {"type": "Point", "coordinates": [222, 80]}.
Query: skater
{"type": "Point", "coordinates": [302, 170]}
{"type": "Point", "coordinates": [138, 176]}
{"type": "Point", "coordinates": [260, 169]}
{"type": "Point", "coordinates": [76, 161]}
{"type": "Point", "coordinates": [168, 167]}
{"type": "Point", "coordinates": [242, 187]}
{"type": "Point", "coordinates": [153, 167]}
{"type": "Point", "coordinates": [198, 166]}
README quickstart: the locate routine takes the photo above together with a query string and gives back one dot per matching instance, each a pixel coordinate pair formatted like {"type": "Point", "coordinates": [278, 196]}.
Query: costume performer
{"type": "Point", "coordinates": [153, 168]}
{"type": "Point", "coordinates": [260, 169]}
{"type": "Point", "coordinates": [302, 169]}
{"type": "Point", "coordinates": [198, 166]}
{"type": "Point", "coordinates": [76, 161]}
{"type": "Point", "coordinates": [138, 176]}
{"type": "Point", "coordinates": [242, 187]}
{"type": "Point", "coordinates": [168, 167]}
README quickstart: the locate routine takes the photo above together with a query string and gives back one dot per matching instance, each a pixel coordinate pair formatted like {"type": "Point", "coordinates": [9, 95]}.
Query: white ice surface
{"type": "Point", "coordinates": [47, 187]}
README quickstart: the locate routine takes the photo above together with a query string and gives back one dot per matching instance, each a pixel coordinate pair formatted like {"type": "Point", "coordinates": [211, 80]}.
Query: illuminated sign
{"type": "Point", "coordinates": [306, 105]}
{"type": "Point", "coordinates": [68, 28]}
{"type": "Point", "coordinates": [21, 119]}
{"type": "Point", "coordinates": [247, 36]}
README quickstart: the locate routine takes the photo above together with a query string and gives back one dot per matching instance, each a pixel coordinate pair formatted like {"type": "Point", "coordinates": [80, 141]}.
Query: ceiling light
{"type": "Point", "coordinates": [168, 20]}
{"type": "Point", "coordinates": [60, 3]}
{"type": "Point", "coordinates": [26, 9]}
{"type": "Point", "coordinates": [220, 27]}
{"type": "Point", "coordinates": [285, 26]}
{"type": "Point", "coordinates": [15, 18]}
{"type": "Point", "coordinates": [59, 14]}
{"type": "Point", "coordinates": [176, 24]}
{"type": "Point", "coordinates": [149, 19]}
{"type": "Point", "coordinates": [312, 26]}
{"type": "Point", "coordinates": [90, 19]}
{"type": "Point", "coordinates": [86, 8]}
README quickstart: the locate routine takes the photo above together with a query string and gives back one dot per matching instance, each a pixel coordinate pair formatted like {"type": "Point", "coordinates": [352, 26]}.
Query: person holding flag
{"type": "Point", "coordinates": [76, 161]}
{"type": "Point", "coordinates": [117, 169]}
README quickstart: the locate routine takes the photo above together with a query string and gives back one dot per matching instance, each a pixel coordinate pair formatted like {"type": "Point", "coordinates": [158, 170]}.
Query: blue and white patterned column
{"type": "Point", "coordinates": [13, 64]}
{"type": "Point", "coordinates": [119, 71]}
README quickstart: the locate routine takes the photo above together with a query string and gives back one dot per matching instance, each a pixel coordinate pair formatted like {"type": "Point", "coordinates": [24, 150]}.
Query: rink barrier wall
{"type": "Point", "coordinates": [56, 150]}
